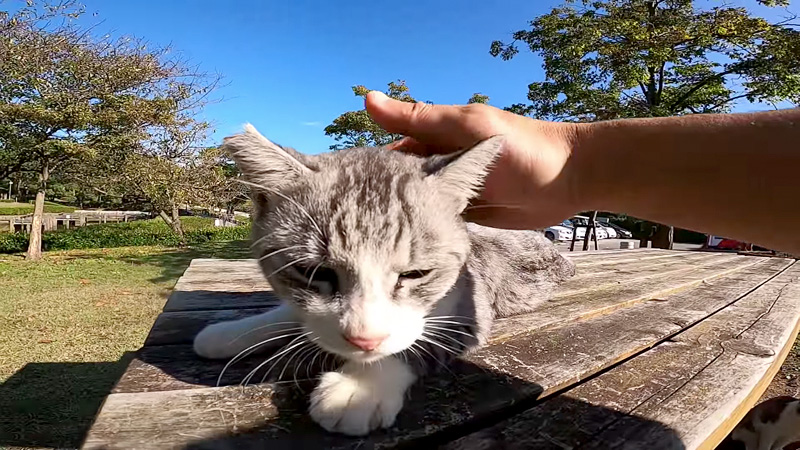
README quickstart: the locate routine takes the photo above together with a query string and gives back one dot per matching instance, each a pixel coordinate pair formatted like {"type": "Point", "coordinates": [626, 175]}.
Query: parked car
{"type": "Point", "coordinates": [558, 233]}
{"type": "Point", "coordinates": [583, 221]}
{"type": "Point", "coordinates": [621, 233]}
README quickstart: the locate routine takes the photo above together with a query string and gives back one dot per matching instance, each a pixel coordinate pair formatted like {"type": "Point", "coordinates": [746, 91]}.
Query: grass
{"type": "Point", "coordinates": [68, 325]}
{"type": "Point", "coordinates": [18, 209]}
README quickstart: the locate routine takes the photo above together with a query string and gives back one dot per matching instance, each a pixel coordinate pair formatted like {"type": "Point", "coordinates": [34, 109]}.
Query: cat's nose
{"type": "Point", "coordinates": [366, 343]}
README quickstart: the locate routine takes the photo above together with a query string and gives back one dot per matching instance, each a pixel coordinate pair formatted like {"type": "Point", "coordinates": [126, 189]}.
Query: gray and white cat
{"type": "Point", "coordinates": [368, 251]}
{"type": "Point", "coordinates": [772, 425]}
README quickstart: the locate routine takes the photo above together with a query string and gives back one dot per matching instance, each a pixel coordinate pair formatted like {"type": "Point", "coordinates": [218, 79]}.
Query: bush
{"type": "Point", "coordinates": [143, 232]}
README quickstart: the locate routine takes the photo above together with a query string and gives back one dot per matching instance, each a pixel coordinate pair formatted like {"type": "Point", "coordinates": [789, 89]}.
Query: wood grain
{"type": "Point", "coordinates": [579, 301]}
{"type": "Point", "coordinates": [673, 395]}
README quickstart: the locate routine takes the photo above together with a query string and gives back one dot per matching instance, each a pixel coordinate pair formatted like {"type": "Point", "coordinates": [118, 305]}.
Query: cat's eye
{"type": "Point", "coordinates": [319, 274]}
{"type": "Point", "coordinates": [413, 274]}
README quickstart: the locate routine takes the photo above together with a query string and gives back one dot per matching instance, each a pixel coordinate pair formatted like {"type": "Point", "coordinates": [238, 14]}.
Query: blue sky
{"type": "Point", "coordinates": [289, 65]}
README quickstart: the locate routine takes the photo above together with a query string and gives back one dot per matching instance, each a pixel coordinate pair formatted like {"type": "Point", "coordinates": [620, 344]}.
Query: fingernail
{"type": "Point", "coordinates": [378, 96]}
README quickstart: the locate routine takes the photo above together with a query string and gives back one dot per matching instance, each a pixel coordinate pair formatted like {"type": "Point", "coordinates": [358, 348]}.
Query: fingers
{"type": "Point", "coordinates": [444, 126]}
{"type": "Point", "coordinates": [411, 145]}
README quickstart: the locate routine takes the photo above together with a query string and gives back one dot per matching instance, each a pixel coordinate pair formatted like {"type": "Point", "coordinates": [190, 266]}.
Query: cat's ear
{"type": "Point", "coordinates": [265, 165]}
{"type": "Point", "coordinates": [461, 175]}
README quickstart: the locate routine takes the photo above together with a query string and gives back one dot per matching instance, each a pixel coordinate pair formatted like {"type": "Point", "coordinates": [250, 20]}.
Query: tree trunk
{"type": "Point", "coordinates": [174, 222]}
{"type": "Point", "coordinates": [35, 241]}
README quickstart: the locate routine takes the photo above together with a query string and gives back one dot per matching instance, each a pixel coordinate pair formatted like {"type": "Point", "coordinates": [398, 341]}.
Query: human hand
{"type": "Point", "coordinates": [532, 185]}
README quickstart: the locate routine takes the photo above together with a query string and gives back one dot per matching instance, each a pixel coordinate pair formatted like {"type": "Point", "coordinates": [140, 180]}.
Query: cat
{"type": "Point", "coordinates": [368, 251]}
{"type": "Point", "coordinates": [772, 425]}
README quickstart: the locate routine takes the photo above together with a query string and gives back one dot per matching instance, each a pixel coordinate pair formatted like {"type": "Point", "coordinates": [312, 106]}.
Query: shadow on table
{"type": "Point", "coordinates": [53, 404]}
{"type": "Point", "coordinates": [472, 397]}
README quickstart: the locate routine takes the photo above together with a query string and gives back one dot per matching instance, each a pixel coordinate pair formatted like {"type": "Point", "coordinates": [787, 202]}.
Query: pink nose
{"type": "Point", "coordinates": [366, 343]}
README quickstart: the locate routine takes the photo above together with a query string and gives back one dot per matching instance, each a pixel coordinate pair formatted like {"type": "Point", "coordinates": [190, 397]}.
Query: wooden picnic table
{"type": "Point", "coordinates": [641, 349]}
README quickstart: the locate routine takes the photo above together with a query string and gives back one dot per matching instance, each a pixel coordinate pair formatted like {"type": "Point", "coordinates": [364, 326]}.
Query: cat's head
{"type": "Point", "coordinates": [362, 242]}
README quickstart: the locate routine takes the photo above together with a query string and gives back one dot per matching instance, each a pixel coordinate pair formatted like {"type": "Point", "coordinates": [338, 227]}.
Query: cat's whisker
{"type": "Point", "coordinates": [432, 356]}
{"type": "Point", "coordinates": [434, 327]}
{"type": "Point", "coordinates": [248, 351]}
{"type": "Point", "coordinates": [451, 317]}
{"type": "Point", "coordinates": [310, 346]}
{"type": "Point", "coordinates": [289, 357]}
{"type": "Point", "coordinates": [289, 264]}
{"type": "Point", "coordinates": [252, 373]}
{"type": "Point", "coordinates": [280, 250]}
{"type": "Point", "coordinates": [449, 322]}
{"type": "Point", "coordinates": [315, 350]}
{"type": "Point", "coordinates": [444, 336]}
{"type": "Point", "coordinates": [284, 350]}
{"type": "Point", "coordinates": [311, 364]}
{"type": "Point", "coordinates": [494, 205]}
{"type": "Point", "coordinates": [266, 326]}
{"type": "Point", "coordinates": [446, 348]}
{"type": "Point", "coordinates": [311, 278]}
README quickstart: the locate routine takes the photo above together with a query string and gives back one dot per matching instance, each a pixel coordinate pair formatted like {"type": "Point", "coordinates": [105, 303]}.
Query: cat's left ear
{"type": "Point", "coordinates": [461, 175]}
{"type": "Point", "coordinates": [264, 164]}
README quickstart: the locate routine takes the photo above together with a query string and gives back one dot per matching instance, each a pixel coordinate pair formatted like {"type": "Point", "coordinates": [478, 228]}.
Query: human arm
{"type": "Point", "coordinates": [733, 175]}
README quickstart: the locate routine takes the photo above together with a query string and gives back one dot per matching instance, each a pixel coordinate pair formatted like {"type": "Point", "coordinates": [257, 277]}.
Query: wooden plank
{"type": "Point", "coordinates": [689, 383]}
{"type": "Point", "coordinates": [211, 300]}
{"type": "Point", "coordinates": [597, 343]}
{"type": "Point", "coordinates": [180, 327]}
{"type": "Point", "coordinates": [594, 253]}
{"type": "Point", "coordinates": [196, 289]}
{"type": "Point", "coordinates": [621, 271]}
{"type": "Point", "coordinates": [579, 301]}
{"type": "Point", "coordinates": [546, 360]}
{"type": "Point", "coordinates": [586, 267]}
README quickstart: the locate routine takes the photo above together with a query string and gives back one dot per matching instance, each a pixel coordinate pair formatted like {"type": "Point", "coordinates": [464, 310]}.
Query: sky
{"type": "Point", "coordinates": [288, 66]}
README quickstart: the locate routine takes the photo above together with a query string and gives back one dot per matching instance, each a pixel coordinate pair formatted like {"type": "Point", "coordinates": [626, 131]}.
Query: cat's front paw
{"type": "Point", "coordinates": [213, 342]}
{"type": "Point", "coordinates": [360, 399]}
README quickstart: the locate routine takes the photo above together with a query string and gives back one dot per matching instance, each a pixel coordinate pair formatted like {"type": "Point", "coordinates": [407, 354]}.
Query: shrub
{"type": "Point", "coordinates": [143, 232]}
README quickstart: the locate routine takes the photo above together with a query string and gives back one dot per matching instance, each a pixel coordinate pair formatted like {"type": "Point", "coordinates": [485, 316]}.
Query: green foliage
{"type": "Point", "coordinates": [152, 232]}
{"type": "Point", "coordinates": [478, 98]}
{"type": "Point", "coordinates": [357, 129]}
{"type": "Point", "coordinates": [632, 58]}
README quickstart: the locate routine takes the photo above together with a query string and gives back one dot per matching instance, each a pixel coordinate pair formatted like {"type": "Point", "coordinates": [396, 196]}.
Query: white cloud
{"type": "Point", "coordinates": [311, 124]}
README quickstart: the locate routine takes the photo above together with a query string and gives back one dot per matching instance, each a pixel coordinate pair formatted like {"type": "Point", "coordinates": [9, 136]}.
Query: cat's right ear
{"type": "Point", "coordinates": [266, 166]}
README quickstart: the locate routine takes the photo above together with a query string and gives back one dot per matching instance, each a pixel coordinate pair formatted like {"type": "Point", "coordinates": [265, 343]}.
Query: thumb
{"type": "Point", "coordinates": [442, 125]}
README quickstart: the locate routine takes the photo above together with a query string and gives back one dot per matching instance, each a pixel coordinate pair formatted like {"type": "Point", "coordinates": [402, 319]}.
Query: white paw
{"type": "Point", "coordinates": [361, 398]}
{"type": "Point", "coordinates": [213, 342]}
{"type": "Point", "coordinates": [341, 404]}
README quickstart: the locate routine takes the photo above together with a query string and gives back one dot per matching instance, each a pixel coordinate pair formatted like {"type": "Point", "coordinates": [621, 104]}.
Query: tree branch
{"type": "Point", "coordinates": [678, 104]}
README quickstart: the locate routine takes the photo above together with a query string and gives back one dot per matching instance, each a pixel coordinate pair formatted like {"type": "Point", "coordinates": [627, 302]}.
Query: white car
{"type": "Point", "coordinates": [558, 233]}
{"type": "Point", "coordinates": [612, 233]}
{"type": "Point", "coordinates": [563, 232]}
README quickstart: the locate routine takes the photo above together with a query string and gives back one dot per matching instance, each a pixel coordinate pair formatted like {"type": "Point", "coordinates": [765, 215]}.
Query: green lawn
{"type": "Point", "coordinates": [18, 209]}
{"type": "Point", "coordinates": [67, 325]}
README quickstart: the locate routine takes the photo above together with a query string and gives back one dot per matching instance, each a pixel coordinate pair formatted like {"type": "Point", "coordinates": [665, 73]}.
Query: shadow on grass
{"type": "Point", "coordinates": [53, 404]}
{"type": "Point", "coordinates": [173, 263]}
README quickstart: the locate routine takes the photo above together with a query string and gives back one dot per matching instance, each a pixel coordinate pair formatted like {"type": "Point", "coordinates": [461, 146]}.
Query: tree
{"type": "Point", "coordinates": [64, 94]}
{"type": "Point", "coordinates": [173, 169]}
{"type": "Point", "coordinates": [356, 128]}
{"type": "Point", "coordinates": [651, 58]}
